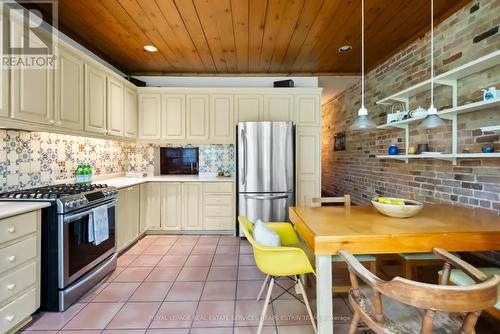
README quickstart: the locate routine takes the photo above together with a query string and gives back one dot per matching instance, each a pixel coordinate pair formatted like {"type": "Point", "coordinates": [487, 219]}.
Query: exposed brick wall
{"type": "Point", "coordinates": [357, 171]}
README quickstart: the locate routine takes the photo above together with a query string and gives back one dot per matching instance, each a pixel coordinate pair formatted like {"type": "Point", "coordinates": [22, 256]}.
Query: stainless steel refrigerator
{"type": "Point", "coordinates": [265, 170]}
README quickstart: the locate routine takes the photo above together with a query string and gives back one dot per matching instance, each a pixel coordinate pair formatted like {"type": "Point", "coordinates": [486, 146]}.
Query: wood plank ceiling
{"type": "Point", "coordinates": [221, 37]}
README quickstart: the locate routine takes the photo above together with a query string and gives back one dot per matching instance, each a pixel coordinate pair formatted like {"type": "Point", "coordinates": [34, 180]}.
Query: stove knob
{"type": "Point", "coordinates": [67, 205]}
{"type": "Point", "coordinates": [81, 201]}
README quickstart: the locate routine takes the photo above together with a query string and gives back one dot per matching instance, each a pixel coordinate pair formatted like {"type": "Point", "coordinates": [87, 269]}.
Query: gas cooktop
{"type": "Point", "coordinates": [51, 192]}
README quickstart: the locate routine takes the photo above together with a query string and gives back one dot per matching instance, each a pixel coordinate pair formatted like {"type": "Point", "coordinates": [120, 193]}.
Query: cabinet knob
{"type": "Point", "coordinates": [11, 286]}
{"type": "Point", "coordinates": [10, 317]}
{"type": "Point", "coordinates": [11, 229]}
{"type": "Point", "coordinates": [11, 258]}
{"type": "Point", "coordinates": [52, 122]}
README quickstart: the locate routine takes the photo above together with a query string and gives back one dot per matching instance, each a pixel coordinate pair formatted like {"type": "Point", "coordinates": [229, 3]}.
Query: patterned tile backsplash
{"type": "Point", "coordinates": [30, 159]}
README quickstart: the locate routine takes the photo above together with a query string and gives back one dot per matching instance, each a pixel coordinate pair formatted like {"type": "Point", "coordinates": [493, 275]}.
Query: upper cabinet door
{"type": "Point", "coordinates": [174, 116]}
{"type": "Point", "coordinates": [32, 89]}
{"type": "Point", "coordinates": [278, 107]}
{"type": "Point", "coordinates": [69, 91]}
{"type": "Point", "coordinates": [197, 117]}
{"type": "Point", "coordinates": [307, 110]}
{"type": "Point", "coordinates": [130, 122]}
{"type": "Point", "coordinates": [248, 108]}
{"type": "Point", "coordinates": [150, 116]}
{"type": "Point", "coordinates": [95, 99]}
{"type": "Point", "coordinates": [221, 119]}
{"type": "Point", "coordinates": [115, 107]}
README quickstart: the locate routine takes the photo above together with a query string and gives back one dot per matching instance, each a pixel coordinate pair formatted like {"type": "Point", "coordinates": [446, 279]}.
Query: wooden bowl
{"type": "Point", "coordinates": [409, 209]}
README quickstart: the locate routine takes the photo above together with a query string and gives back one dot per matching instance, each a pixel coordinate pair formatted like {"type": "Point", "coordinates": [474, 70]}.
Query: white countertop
{"type": "Point", "coordinates": [123, 182]}
{"type": "Point", "coordinates": [8, 209]}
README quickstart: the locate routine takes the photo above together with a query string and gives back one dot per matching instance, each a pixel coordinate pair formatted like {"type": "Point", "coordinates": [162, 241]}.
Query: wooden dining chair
{"type": "Point", "coordinates": [405, 306]}
{"type": "Point", "coordinates": [368, 260]}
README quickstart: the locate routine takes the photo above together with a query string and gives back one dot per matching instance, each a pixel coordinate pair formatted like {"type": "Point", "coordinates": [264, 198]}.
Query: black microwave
{"type": "Point", "coordinates": [179, 160]}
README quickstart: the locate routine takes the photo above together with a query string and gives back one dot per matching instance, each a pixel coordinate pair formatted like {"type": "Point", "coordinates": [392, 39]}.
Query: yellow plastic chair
{"type": "Point", "coordinates": [280, 261]}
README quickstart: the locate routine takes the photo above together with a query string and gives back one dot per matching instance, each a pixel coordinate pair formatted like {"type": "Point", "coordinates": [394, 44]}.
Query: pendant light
{"type": "Point", "coordinates": [432, 119]}
{"type": "Point", "coordinates": [363, 122]}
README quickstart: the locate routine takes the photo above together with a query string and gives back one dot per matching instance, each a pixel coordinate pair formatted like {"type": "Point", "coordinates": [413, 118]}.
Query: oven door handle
{"type": "Point", "coordinates": [85, 213]}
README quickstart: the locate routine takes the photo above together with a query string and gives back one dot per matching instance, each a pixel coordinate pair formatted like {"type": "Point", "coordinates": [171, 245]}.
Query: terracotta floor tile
{"type": "Point", "coordinates": [290, 312]}
{"type": "Point", "coordinates": [248, 313]}
{"type": "Point", "coordinates": [134, 315]}
{"type": "Point", "coordinates": [225, 260]}
{"type": "Point", "coordinates": [125, 259]}
{"type": "Point", "coordinates": [250, 273]}
{"type": "Point", "coordinates": [187, 240]}
{"type": "Point", "coordinates": [227, 249]}
{"type": "Point", "coordinates": [173, 260]}
{"type": "Point", "coordinates": [216, 330]}
{"type": "Point", "coordinates": [54, 320]}
{"type": "Point", "coordinates": [151, 292]}
{"type": "Point", "coordinates": [168, 331]}
{"type": "Point", "coordinates": [193, 274]}
{"type": "Point", "coordinates": [204, 249]}
{"type": "Point", "coordinates": [208, 240]}
{"type": "Point", "coordinates": [247, 260]}
{"type": "Point", "coordinates": [165, 240]}
{"type": "Point", "coordinates": [157, 249]}
{"type": "Point", "coordinates": [219, 290]}
{"type": "Point", "coordinates": [180, 249]}
{"type": "Point", "coordinates": [198, 261]}
{"type": "Point", "coordinates": [78, 332]}
{"type": "Point", "coordinates": [163, 274]}
{"type": "Point", "coordinates": [248, 289]}
{"type": "Point", "coordinates": [42, 332]}
{"type": "Point", "coordinates": [253, 330]}
{"type": "Point", "coordinates": [246, 249]}
{"type": "Point", "coordinates": [228, 240]}
{"type": "Point", "coordinates": [214, 314]}
{"type": "Point", "coordinates": [185, 291]}
{"type": "Point", "coordinates": [136, 249]}
{"type": "Point", "coordinates": [174, 315]}
{"type": "Point", "coordinates": [122, 331]}
{"type": "Point", "coordinates": [94, 316]}
{"type": "Point", "coordinates": [116, 292]}
{"type": "Point", "coordinates": [94, 292]}
{"type": "Point", "coordinates": [222, 274]}
{"type": "Point", "coordinates": [146, 261]}
{"type": "Point", "coordinates": [305, 330]}
{"type": "Point", "coordinates": [114, 274]}
{"type": "Point", "coordinates": [133, 274]}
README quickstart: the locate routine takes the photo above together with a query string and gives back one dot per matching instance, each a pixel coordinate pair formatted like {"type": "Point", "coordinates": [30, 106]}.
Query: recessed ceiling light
{"type": "Point", "coordinates": [345, 48]}
{"type": "Point", "coordinates": [150, 48]}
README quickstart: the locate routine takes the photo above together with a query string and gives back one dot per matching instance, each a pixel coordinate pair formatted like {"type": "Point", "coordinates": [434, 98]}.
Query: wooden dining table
{"type": "Point", "coordinates": [363, 230]}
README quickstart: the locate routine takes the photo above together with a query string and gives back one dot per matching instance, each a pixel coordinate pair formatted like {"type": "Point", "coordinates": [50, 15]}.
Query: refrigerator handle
{"type": "Point", "coordinates": [244, 149]}
{"type": "Point", "coordinates": [260, 197]}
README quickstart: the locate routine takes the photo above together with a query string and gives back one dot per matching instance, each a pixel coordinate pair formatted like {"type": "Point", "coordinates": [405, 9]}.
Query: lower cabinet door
{"type": "Point", "coordinates": [192, 206]}
{"type": "Point", "coordinates": [133, 217]}
{"type": "Point", "coordinates": [121, 219]}
{"type": "Point", "coordinates": [171, 206]}
{"type": "Point", "coordinates": [150, 206]}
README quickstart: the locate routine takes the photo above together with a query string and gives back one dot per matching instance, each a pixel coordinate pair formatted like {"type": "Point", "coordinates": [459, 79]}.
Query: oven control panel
{"type": "Point", "coordinates": [82, 200]}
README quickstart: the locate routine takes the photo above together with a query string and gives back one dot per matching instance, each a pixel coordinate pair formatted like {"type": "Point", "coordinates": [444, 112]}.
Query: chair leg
{"type": "Point", "coordinates": [408, 270]}
{"type": "Point", "coordinates": [354, 324]}
{"type": "Point", "coordinates": [262, 287]}
{"type": "Point", "coordinates": [266, 303]}
{"type": "Point", "coordinates": [306, 301]}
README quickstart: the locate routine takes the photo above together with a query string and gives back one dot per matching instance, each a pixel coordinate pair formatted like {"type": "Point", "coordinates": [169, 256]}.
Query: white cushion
{"type": "Point", "coordinates": [265, 236]}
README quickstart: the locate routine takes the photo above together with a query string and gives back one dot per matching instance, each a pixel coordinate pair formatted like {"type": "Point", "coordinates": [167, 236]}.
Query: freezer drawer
{"type": "Point", "coordinates": [265, 206]}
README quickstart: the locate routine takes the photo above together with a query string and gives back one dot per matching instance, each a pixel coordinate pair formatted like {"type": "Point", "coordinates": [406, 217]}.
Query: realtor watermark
{"type": "Point", "coordinates": [29, 37]}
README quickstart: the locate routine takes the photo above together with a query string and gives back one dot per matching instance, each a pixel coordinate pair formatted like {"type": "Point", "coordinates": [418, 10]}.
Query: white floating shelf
{"type": "Point", "coordinates": [447, 113]}
{"type": "Point", "coordinates": [494, 128]}
{"type": "Point", "coordinates": [443, 156]}
{"type": "Point", "coordinates": [448, 78]}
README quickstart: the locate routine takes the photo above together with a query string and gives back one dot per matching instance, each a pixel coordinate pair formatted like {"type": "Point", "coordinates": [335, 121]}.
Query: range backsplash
{"type": "Point", "coordinates": [30, 159]}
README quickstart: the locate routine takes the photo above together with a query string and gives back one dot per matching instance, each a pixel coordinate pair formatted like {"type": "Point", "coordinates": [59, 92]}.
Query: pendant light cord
{"type": "Point", "coordinates": [432, 53]}
{"type": "Point", "coordinates": [362, 53]}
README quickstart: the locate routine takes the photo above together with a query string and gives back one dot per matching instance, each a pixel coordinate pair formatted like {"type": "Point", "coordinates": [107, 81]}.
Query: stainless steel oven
{"type": "Point", "coordinates": [77, 255]}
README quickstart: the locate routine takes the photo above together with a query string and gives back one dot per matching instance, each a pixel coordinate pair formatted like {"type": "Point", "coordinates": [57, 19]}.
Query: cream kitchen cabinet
{"type": "Point", "coordinates": [171, 206]}
{"type": "Point", "coordinates": [127, 229]}
{"type": "Point", "coordinates": [95, 99]}
{"type": "Point", "coordinates": [249, 108]}
{"type": "Point", "coordinates": [115, 95]}
{"type": "Point", "coordinates": [174, 117]}
{"type": "Point", "coordinates": [150, 116]}
{"type": "Point", "coordinates": [150, 208]}
{"type": "Point", "coordinates": [69, 91]}
{"type": "Point", "coordinates": [218, 207]}
{"type": "Point", "coordinates": [192, 206]}
{"type": "Point", "coordinates": [197, 120]}
{"type": "Point", "coordinates": [19, 269]}
{"type": "Point", "coordinates": [221, 119]}
{"type": "Point", "coordinates": [306, 110]}
{"type": "Point", "coordinates": [4, 92]}
{"type": "Point", "coordinates": [308, 163]}
{"type": "Point", "coordinates": [278, 107]}
{"type": "Point", "coordinates": [130, 113]}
